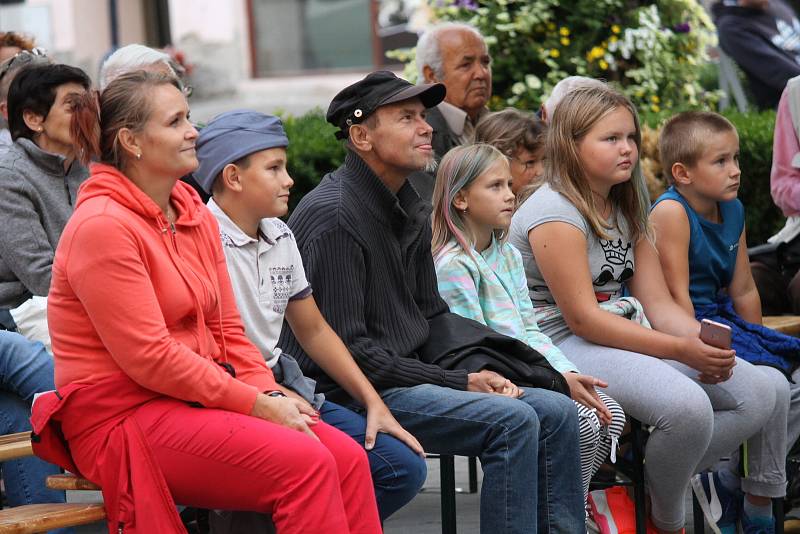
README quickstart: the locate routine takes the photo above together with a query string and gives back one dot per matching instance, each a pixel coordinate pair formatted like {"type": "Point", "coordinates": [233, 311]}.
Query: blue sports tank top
{"type": "Point", "coordinates": [712, 247]}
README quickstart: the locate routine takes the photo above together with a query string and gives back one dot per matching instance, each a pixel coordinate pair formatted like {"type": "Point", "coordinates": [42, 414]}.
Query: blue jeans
{"type": "Point", "coordinates": [528, 449]}
{"type": "Point", "coordinates": [398, 473]}
{"type": "Point", "coordinates": [25, 369]}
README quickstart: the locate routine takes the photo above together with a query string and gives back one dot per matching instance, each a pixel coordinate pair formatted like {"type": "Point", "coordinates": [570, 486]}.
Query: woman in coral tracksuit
{"type": "Point", "coordinates": [161, 397]}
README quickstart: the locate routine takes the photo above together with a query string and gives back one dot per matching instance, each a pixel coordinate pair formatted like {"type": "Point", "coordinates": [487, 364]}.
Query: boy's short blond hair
{"type": "Point", "coordinates": [682, 138]}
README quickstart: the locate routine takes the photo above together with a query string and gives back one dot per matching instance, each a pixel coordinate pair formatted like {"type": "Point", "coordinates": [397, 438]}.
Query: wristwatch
{"type": "Point", "coordinates": [276, 393]}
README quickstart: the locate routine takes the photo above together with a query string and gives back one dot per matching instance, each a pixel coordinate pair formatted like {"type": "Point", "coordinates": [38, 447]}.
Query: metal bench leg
{"type": "Point", "coordinates": [697, 515]}
{"type": "Point", "coordinates": [777, 513]}
{"type": "Point", "coordinates": [447, 472]}
{"type": "Point", "coordinates": [473, 474]}
{"type": "Point", "coordinates": [637, 446]}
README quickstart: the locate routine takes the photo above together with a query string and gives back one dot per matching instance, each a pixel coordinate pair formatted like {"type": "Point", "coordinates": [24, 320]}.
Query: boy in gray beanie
{"type": "Point", "coordinates": [242, 158]}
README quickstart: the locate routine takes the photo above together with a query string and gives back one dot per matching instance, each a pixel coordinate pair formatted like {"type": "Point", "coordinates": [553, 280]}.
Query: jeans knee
{"type": "Point", "coordinates": [416, 472]}
{"type": "Point", "coordinates": [409, 477]}
{"type": "Point", "coordinates": [511, 415]}
{"type": "Point", "coordinates": [557, 414]}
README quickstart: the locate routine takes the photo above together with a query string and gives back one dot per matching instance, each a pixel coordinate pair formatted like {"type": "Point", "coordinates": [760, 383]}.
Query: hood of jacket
{"type": "Point", "coordinates": [108, 181]}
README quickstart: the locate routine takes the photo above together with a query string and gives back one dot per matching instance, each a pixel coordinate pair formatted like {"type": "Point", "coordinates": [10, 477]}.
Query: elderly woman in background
{"type": "Point", "coordinates": [135, 57]}
{"type": "Point", "coordinates": [39, 179]}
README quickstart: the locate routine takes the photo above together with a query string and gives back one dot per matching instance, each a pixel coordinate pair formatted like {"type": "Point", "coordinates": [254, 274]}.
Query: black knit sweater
{"type": "Point", "coordinates": [367, 254]}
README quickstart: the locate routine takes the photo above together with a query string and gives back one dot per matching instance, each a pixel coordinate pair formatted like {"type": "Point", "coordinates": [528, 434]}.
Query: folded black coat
{"type": "Point", "coordinates": [456, 342]}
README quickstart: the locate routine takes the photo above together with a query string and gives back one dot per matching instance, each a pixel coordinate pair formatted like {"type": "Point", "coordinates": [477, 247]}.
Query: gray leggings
{"type": "Point", "coordinates": [694, 424]}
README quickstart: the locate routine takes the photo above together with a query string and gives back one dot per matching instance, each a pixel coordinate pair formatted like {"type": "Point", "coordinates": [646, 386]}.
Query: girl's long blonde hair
{"type": "Point", "coordinates": [457, 170]}
{"type": "Point", "coordinates": [574, 116]}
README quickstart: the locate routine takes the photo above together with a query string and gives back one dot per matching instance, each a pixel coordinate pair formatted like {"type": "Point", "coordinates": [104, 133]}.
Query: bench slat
{"type": "Point", "coordinates": [69, 481]}
{"type": "Point", "coordinates": [15, 438]}
{"type": "Point", "coordinates": [15, 446]}
{"type": "Point", "coordinates": [32, 518]}
{"type": "Point", "coordinates": [788, 324]}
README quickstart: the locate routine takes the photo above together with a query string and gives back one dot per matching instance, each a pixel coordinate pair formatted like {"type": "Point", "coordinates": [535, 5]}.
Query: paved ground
{"type": "Point", "coordinates": [421, 516]}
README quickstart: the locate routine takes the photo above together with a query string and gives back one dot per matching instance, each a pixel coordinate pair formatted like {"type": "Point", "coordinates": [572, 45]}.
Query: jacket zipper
{"type": "Point", "coordinates": [66, 188]}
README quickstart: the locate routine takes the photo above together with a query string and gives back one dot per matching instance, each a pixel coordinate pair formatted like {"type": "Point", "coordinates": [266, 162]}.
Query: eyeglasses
{"type": "Point", "coordinates": [21, 58]}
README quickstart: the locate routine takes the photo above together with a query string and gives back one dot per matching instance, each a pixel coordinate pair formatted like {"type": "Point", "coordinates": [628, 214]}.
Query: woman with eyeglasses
{"type": "Point", "coordinates": [39, 179]}
{"type": "Point", "coordinates": [15, 52]}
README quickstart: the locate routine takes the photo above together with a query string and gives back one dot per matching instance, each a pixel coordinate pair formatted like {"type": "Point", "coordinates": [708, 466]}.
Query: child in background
{"type": "Point", "coordinates": [520, 136]}
{"type": "Point", "coordinates": [703, 252]}
{"type": "Point", "coordinates": [243, 166]}
{"type": "Point", "coordinates": [584, 239]}
{"type": "Point", "coordinates": [481, 277]}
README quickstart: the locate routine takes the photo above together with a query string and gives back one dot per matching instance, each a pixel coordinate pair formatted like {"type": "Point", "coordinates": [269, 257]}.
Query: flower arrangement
{"type": "Point", "coordinates": [653, 50]}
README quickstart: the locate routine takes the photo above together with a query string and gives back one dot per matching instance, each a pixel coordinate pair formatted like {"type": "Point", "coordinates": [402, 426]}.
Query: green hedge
{"type": "Point", "coordinates": [314, 151]}
{"type": "Point", "coordinates": [755, 148]}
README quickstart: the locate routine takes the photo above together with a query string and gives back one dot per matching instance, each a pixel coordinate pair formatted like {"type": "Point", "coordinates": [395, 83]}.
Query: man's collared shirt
{"type": "Point", "coordinates": [266, 273]}
{"type": "Point", "coordinates": [459, 122]}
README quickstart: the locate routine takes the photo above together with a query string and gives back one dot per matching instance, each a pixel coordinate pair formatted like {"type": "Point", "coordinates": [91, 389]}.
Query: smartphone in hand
{"type": "Point", "coordinates": [715, 334]}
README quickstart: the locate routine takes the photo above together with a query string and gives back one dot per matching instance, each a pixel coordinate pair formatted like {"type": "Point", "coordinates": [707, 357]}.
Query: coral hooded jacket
{"type": "Point", "coordinates": [132, 293]}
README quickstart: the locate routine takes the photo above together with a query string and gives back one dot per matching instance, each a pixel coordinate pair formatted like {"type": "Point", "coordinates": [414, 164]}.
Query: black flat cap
{"type": "Point", "coordinates": [358, 101]}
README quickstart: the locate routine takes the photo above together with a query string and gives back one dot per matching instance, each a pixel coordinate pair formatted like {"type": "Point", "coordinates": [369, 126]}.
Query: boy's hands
{"type": "Point", "coordinates": [380, 419]}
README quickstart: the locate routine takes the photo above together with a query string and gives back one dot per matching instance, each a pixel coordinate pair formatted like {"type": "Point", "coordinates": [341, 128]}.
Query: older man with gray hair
{"type": "Point", "coordinates": [456, 55]}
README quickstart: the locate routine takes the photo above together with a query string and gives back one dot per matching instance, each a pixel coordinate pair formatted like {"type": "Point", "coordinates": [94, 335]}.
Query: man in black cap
{"type": "Point", "coordinates": [365, 236]}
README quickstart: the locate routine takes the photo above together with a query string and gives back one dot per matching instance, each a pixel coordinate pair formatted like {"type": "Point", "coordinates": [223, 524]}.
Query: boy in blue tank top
{"type": "Point", "coordinates": [700, 236]}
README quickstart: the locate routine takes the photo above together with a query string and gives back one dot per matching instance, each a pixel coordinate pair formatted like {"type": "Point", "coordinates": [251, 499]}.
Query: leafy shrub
{"type": "Point", "coordinates": [313, 151]}
{"type": "Point", "coordinates": [653, 50]}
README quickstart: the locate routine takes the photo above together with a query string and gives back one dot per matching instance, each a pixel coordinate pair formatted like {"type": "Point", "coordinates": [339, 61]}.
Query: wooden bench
{"type": "Point", "coordinates": [68, 481]}
{"type": "Point", "coordinates": [788, 324]}
{"type": "Point", "coordinates": [14, 446]}
{"type": "Point", "coordinates": [32, 518]}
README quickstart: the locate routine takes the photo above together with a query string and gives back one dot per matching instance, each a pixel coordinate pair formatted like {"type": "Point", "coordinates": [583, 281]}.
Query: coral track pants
{"type": "Point", "coordinates": [218, 459]}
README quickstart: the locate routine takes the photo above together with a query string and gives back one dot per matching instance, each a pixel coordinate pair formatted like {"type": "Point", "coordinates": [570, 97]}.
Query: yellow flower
{"type": "Point", "coordinates": [564, 31]}
{"type": "Point", "coordinates": [615, 29]}
{"type": "Point", "coordinates": [565, 41]}
{"type": "Point", "coordinates": [613, 39]}
{"type": "Point", "coordinates": [640, 93]}
{"type": "Point", "coordinates": [603, 64]}
{"type": "Point", "coordinates": [655, 99]}
{"type": "Point", "coordinates": [656, 108]}
{"type": "Point", "coordinates": [551, 26]}
{"type": "Point", "coordinates": [554, 52]}
{"type": "Point", "coordinates": [594, 53]}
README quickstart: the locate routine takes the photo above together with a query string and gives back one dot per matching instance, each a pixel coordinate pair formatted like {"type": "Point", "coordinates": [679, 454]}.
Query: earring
{"type": "Point", "coordinates": [139, 155]}
{"type": "Point", "coordinates": [40, 129]}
